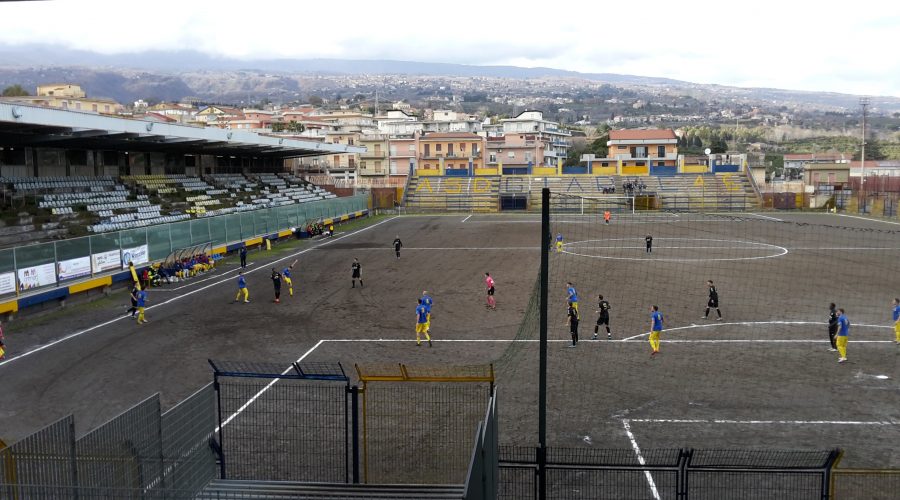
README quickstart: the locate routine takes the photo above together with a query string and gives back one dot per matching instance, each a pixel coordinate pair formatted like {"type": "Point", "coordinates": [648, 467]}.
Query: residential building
{"type": "Point", "coordinates": [217, 116]}
{"type": "Point", "coordinates": [831, 174]}
{"type": "Point", "coordinates": [794, 163]}
{"type": "Point", "coordinates": [402, 154]}
{"type": "Point", "coordinates": [68, 96]}
{"type": "Point", "coordinates": [555, 139]}
{"type": "Point", "coordinates": [514, 153]}
{"type": "Point", "coordinates": [343, 165]}
{"type": "Point", "coordinates": [450, 153]}
{"type": "Point", "coordinates": [375, 160]}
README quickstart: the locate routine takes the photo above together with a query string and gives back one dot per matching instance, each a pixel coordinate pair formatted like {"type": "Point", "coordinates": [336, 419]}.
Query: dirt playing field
{"type": "Point", "coordinates": [760, 378]}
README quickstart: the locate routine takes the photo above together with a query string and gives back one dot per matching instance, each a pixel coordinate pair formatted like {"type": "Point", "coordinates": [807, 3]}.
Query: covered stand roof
{"type": "Point", "coordinates": [35, 126]}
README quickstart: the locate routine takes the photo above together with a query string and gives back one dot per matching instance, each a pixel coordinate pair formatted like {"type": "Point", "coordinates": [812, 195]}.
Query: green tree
{"type": "Point", "coordinates": [15, 91]}
{"type": "Point", "coordinates": [315, 100]}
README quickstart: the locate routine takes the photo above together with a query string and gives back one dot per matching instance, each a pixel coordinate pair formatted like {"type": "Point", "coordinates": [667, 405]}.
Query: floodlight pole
{"type": "Point", "coordinates": [542, 384]}
{"type": "Point", "coordinates": [864, 102]}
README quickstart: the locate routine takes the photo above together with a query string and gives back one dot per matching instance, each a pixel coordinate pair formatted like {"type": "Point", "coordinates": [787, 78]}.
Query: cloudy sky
{"type": "Point", "coordinates": [848, 47]}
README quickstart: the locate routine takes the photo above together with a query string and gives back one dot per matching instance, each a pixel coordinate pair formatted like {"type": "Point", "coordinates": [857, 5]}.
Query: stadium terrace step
{"type": "Point", "coordinates": [282, 490]}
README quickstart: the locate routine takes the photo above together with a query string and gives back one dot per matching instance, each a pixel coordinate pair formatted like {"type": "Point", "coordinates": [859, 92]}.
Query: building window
{"type": "Point", "coordinates": [604, 164]}
{"type": "Point", "coordinates": [378, 166]}
{"type": "Point", "coordinates": [362, 164]}
{"type": "Point", "coordinates": [621, 147]}
{"type": "Point", "coordinates": [449, 165]}
{"type": "Point", "coordinates": [661, 151]}
{"type": "Point", "coordinates": [437, 147]}
{"type": "Point", "coordinates": [493, 158]}
{"type": "Point", "coordinates": [106, 108]}
{"type": "Point", "coordinates": [462, 146]}
{"type": "Point", "coordinates": [640, 163]}
{"type": "Point", "coordinates": [511, 154]}
{"type": "Point", "coordinates": [93, 107]}
{"type": "Point", "coordinates": [412, 147]}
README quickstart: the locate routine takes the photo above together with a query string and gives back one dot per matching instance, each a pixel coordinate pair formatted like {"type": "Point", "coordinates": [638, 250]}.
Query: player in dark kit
{"type": "Point", "coordinates": [397, 245]}
{"type": "Point", "coordinates": [357, 273]}
{"type": "Point", "coordinates": [713, 302]}
{"type": "Point", "coordinates": [276, 282]}
{"type": "Point", "coordinates": [573, 324]}
{"type": "Point", "coordinates": [649, 240]}
{"type": "Point", "coordinates": [603, 319]}
{"type": "Point", "coordinates": [832, 326]}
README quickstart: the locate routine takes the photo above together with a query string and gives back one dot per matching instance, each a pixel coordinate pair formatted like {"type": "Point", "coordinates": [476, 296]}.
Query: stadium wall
{"type": "Point", "coordinates": [333, 211]}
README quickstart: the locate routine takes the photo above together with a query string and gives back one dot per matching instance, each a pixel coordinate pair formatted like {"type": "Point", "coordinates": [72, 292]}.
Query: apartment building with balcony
{"type": "Point", "coordinates": [402, 154]}
{"type": "Point", "coordinates": [67, 96]}
{"type": "Point", "coordinates": [555, 140]}
{"type": "Point", "coordinates": [514, 154]}
{"type": "Point", "coordinates": [459, 153]}
{"type": "Point", "coordinates": [637, 152]}
{"type": "Point", "coordinates": [375, 161]}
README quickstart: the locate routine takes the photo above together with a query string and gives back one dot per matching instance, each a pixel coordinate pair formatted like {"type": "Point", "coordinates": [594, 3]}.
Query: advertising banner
{"type": "Point", "coordinates": [136, 255]}
{"type": "Point", "coordinates": [7, 283]}
{"type": "Point", "coordinates": [73, 268]}
{"type": "Point", "coordinates": [105, 260]}
{"type": "Point", "coordinates": [37, 276]}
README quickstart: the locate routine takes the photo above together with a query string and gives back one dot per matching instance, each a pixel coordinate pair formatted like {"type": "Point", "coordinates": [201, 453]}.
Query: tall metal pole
{"type": "Point", "coordinates": [864, 102]}
{"type": "Point", "coordinates": [542, 384]}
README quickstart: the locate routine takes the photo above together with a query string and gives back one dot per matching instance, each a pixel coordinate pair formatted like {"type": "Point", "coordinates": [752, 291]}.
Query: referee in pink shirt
{"type": "Point", "coordinates": [489, 282]}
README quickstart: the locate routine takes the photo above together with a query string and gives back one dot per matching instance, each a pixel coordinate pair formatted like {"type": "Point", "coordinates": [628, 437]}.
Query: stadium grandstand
{"type": "Point", "coordinates": [66, 173]}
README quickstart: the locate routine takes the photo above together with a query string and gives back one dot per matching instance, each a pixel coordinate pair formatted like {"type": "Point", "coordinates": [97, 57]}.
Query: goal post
{"type": "Point", "coordinates": [593, 205]}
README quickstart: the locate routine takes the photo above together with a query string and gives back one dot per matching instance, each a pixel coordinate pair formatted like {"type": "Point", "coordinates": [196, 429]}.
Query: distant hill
{"type": "Point", "coordinates": [172, 75]}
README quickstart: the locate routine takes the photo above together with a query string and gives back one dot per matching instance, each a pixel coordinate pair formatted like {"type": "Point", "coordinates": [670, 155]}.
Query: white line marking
{"type": "Point", "coordinates": [754, 323]}
{"type": "Point", "coordinates": [467, 218]}
{"type": "Point", "coordinates": [640, 457]}
{"type": "Point", "coordinates": [267, 387]}
{"type": "Point", "coordinates": [82, 332]}
{"type": "Point", "coordinates": [629, 340]}
{"type": "Point", "coordinates": [766, 217]}
{"type": "Point", "coordinates": [436, 248]}
{"type": "Point", "coordinates": [763, 422]}
{"type": "Point", "coordinates": [778, 250]}
{"type": "Point", "coordinates": [868, 219]}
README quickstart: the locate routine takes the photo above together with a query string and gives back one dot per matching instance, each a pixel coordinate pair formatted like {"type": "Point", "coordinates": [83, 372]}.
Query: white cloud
{"type": "Point", "coordinates": [828, 45]}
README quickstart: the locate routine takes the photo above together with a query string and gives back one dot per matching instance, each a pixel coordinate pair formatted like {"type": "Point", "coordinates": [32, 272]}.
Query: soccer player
{"type": "Point", "coordinates": [242, 288]}
{"type": "Point", "coordinates": [357, 273]}
{"type": "Point", "coordinates": [832, 326]}
{"type": "Point", "coordinates": [572, 319]}
{"type": "Point", "coordinates": [276, 282]}
{"type": "Point", "coordinates": [713, 302]}
{"type": "Point", "coordinates": [286, 275]}
{"type": "Point", "coordinates": [422, 324]}
{"type": "Point", "coordinates": [572, 295]}
{"type": "Point", "coordinates": [649, 241]}
{"type": "Point", "coordinates": [489, 282]}
{"type": "Point", "coordinates": [603, 319]}
{"type": "Point", "coordinates": [559, 242]}
{"type": "Point", "coordinates": [843, 335]}
{"type": "Point", "coordinates": [2, 345]}
{"type": "Point", "coordinates": [141, 303]}
{"type": "Point", "coordinates": [397, 245]}
{"type": "Point", "coordinates": [897, 320]}
{"type": "Point", "coordinates": [243, 254]}
{"type": "Point", "coordinates": [133, 308]}
{"type": "Point", "coordinates": [606, 216]}
{"type": "Point", "coordinates": [656, 326]}
{"type": "Point", "coordinates": [427, 301]}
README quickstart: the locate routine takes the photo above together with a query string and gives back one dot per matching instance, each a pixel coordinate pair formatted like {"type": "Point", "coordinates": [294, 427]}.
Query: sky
{"type": "Point", "coordinates": [846, 47]}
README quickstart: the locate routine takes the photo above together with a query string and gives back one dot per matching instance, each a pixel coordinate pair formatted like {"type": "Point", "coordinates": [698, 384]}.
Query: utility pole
{"type": "Point", "coordinates": [864, 102]}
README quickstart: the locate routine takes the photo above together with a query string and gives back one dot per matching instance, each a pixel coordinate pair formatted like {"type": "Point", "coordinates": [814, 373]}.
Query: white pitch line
{"type": "Point", "coordinates": [267, 387]}
{"type": "Point", "coordinates": [868, 219]}
{"type": "Point", "coordinates": [467, 218]}
{"type": "Point", "coordinates": [756, 323]}
{"type": "Point", "coordinates": [765, 217]}
{"type": "Point", "coordinates": [187, 294]}
{"type": "Point", "coordinates": [437, 248]}
{"type": "Point", "coordinates": [764, 422]}
{"type": "Point", "coordinates": [640, 457]}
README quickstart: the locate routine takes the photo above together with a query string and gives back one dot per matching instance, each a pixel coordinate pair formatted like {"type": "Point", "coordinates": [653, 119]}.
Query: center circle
{"type": "Point", "coordinates": [595, 249]}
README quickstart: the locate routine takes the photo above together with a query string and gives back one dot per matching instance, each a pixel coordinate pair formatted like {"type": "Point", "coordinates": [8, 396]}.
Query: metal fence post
{"type": "Point", "coordinates": [542, 375]}
{"type": "Point", "coordinates": [354, 404]}
{"type": "Point", "coordinates": [827, 478]}
{"type": "Point", "coordinates": [221, 427]}
{"type": "Point", "coordinates": [681, 481]}
{"type": "Point", "coordinates": [74, 457]}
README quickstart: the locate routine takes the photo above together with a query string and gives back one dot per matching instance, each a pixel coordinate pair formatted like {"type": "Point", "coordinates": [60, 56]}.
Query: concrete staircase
{"type": "Point", "coordinates": [727, 192]}
{"type": "Point", "coordinates": [453, 194]}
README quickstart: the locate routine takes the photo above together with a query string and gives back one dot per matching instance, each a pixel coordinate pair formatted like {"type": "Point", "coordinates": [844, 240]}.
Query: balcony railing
{"type": "Point", "coordinates": [373, 154]}
{"type": "Point", "coordinates": [438, 154]}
